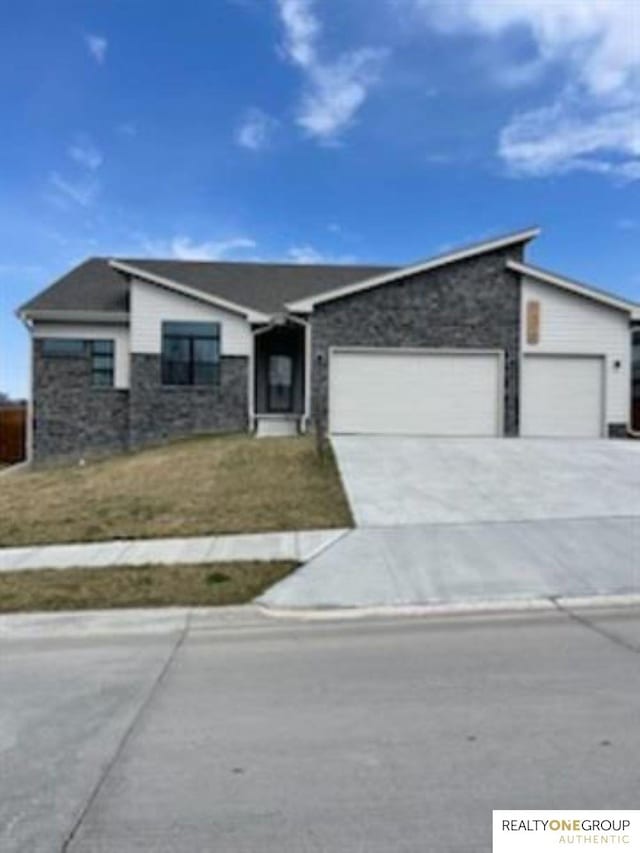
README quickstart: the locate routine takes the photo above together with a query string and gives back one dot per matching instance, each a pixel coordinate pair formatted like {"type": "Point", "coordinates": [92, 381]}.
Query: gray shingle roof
{"type": "Point", "coordinates": [95, 286]}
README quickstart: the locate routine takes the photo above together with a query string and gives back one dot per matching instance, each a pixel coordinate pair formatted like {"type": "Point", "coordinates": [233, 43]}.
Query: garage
{"type": "Point", "coordinates": [379, 391]}
{"type": "Point", "coordinates": [562, 396]}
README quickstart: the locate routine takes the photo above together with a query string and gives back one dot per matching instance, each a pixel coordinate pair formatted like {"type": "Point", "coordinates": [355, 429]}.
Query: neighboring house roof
{"type": "Point", "coordinates": [569, 284]}
{"type": "Point", "coordinates": [386, 277]}
{"type": "Point", "coordinates": [96, 286]}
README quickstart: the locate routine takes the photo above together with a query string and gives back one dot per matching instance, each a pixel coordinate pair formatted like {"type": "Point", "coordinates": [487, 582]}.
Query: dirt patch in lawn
{"type": "Point", "coordinates": [230, 484]}
{"type": "Point", "coordinates": [205, 585]}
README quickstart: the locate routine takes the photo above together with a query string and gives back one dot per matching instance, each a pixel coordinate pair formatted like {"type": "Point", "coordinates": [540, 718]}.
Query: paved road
{"type": "Point", "coordinates": [249, 735]}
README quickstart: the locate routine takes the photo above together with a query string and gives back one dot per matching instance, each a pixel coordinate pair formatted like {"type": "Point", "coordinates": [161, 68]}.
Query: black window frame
{"type": "Point", "coordinates": [185, 372]}
{"type": "Point", "coordinates": [102, 352]}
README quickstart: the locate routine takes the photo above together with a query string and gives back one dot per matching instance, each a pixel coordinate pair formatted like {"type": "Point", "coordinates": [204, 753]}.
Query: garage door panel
{"type": "Point", "coordinates": [562, 396]}
{"type": "Point", "coordinates": [415, 393]}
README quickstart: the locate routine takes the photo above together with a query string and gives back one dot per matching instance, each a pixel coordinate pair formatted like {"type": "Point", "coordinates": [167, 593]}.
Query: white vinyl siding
{"type": "Point", "coordinates": [151, 304]}
{"type": "Point", "coordinates": [562, 396]}
{"type": "Point", "coordinates": [92, 332]}
{"type": "Point", "coordinates": [571, 324]}
{"type": "Point", "coordinates": [415, 392]}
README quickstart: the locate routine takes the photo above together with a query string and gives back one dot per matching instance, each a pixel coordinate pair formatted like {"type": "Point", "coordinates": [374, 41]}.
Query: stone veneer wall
{"type": "Point", "coordinates": [71, 418]}
{"type": "Point", "coordinates": [473, 303]}
{"type": "Point", "coordinates": [159, 412]}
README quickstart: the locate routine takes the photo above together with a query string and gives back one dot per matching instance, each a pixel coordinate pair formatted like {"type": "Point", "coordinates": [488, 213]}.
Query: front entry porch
{"type": "Point", "coordinates": [279, 379]}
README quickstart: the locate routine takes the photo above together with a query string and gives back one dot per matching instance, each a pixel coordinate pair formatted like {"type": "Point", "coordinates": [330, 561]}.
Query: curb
{"type": "Point", "coordinates": [462, 608]}
{"type": "Point", "coordinates": [168, 620]}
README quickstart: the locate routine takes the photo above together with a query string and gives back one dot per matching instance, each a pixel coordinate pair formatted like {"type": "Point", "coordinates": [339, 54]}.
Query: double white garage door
{"type": "Point", "coordinates": [460, 393]}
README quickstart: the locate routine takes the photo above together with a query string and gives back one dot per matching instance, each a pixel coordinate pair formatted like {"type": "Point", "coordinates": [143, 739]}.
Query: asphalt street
{"type": "Point", "coordinates": [251, 734]}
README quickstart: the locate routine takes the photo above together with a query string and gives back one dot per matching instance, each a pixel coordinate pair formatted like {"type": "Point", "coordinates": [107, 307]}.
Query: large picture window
{"type": "Point", "coordinates": [190, 353]}
{"type": "Point", "coordinates": [102, 364]}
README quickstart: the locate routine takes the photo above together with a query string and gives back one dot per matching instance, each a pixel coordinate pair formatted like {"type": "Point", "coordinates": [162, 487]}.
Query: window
{"type": "Point", "coordinates": [102, 364]}
{"type": "Point", "coordinates": [63, 348]}
{"type": "Point", "coordinates": [190, 353]}
{"type": "Point", "coordinates": [635, 365]}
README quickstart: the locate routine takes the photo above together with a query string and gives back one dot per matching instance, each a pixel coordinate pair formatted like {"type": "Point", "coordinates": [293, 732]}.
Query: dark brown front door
{"type": "Point", "coordinates": [280, 383]}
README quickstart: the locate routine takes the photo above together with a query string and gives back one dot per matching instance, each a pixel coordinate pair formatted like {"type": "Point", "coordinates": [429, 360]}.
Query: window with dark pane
{"type": "Point", "coordinates": [190, 353]}
{"type": "Point", "coordinates": [63, 348]}
{"type": "Point", "coordinates": [102, 363]}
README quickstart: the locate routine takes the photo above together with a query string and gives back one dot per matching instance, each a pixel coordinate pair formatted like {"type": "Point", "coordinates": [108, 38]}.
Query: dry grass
{"type": "Point", "coordinates": [137, 586]}
{"type": "Point", "coordinates": [227, 484]}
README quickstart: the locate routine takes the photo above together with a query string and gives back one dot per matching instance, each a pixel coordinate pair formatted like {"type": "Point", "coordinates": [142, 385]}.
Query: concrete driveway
{"type": "Point", "coordinates": [470, 520]}
{"type": "Point", "coordinates": [397, 481]}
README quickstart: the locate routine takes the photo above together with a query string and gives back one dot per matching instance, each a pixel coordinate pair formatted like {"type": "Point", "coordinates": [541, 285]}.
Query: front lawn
{"type": "Point", "coordinates": [203, 585]}
{"type": "Point", "coordinates": [226, 484]}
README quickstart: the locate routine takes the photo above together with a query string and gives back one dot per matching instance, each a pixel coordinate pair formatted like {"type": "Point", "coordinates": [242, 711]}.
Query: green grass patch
{"type": "Point", "coordinates": [206, 585]}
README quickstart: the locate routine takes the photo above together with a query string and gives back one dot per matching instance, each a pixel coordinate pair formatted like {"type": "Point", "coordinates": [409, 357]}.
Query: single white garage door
{"type": "Point", "coordinates": [415, 392]}
{"type": "Point", "coordinates": [562, 396]}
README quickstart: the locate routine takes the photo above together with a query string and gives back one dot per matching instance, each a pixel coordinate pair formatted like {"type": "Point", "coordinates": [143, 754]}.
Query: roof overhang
{"type": "Point", "coordinates": [305, 306]}
{"type": "Point", "coordinates": [57, 315]}
{"type": "Point", "coordinates": [574, 287]}
{"type": "Point", "coordinates": [136, 272]}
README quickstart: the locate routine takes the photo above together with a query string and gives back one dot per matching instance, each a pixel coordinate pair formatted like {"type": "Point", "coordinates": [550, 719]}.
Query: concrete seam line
{"type": "Point", "coordinates": [127, 735]}
{"type": "Point", "coordinates": [614, 638]}
{"type": "Point", "coordinates": [325, 546]}
{"type": "Point", "coordinates": [473, 522]}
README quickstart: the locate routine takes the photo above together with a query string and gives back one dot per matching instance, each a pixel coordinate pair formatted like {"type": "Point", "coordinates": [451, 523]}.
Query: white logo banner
{"type": "Point", "coordinates": [531, 831]}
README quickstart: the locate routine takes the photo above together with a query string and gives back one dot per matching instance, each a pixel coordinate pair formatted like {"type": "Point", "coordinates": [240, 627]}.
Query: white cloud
{"type": "Point", "coordinates": [306, 254]}
{"type": "Point", "coordinates": [185, 249]}
{"type": "Point", "coordinates": [570, 135]}
{"type": "Point", "coordinates": [80, 192]}
{"type": "Point", "coordinates": [593, 123]}
{"type": "Point", "coordinates": [85, 153]}
{"type": "Point", "coordinates": [255, 130]}
{"type": "Point", "coordinates": [335, 90]}
{"type": "Point", "coordinates": [97, 46]}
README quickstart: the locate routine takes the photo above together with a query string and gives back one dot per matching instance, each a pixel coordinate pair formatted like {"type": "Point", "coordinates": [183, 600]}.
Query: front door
{"type": "Point", "coordinates": [280, 383]}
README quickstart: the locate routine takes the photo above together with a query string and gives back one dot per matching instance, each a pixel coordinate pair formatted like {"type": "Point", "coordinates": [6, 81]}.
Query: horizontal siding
{"type": "Point", "coordinates": [91, 332]}
{"type": "Point", "coordinates": [573, 324]}
{"type": "Point", "coordinates": [151, 304]}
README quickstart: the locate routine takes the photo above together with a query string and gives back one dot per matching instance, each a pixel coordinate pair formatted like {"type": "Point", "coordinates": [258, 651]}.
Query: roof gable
{"type": "Point", "coordinates": [589, 292]}
{"type": "Point", "coordinates": [460, 254]}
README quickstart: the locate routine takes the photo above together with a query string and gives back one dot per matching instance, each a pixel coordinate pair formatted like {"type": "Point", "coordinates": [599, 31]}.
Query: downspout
{"type": "Point", "coordinates": [28, 324]}
{"type": "Point", "coordinates": [252, 382]}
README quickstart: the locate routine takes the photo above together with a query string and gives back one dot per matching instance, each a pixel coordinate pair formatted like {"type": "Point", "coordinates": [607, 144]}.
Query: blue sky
{"type": "Point", "coordinates": [335, 130]}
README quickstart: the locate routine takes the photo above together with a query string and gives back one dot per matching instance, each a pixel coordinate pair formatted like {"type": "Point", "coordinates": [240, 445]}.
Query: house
{"type": "Point", "coordinates": [474, 342]}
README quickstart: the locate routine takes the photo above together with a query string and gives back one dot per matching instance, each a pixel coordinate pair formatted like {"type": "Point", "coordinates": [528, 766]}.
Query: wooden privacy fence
{"type": "Point", "coordinates": [13, 432]}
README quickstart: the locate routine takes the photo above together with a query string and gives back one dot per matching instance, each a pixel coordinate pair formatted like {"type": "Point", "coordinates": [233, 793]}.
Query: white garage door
{"type": "Point", "coordinates": [562, 396]}
{"type": "Point", "coordinates": [415, 392]}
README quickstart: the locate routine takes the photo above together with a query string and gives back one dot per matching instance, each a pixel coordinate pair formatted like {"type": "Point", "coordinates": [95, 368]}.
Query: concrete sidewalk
{"type": "Point", "coordinates": [299, 545]}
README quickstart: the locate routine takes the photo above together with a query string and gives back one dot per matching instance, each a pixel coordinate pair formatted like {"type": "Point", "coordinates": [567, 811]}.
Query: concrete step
{"type": "Point", "coordinates": [269, 426]}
